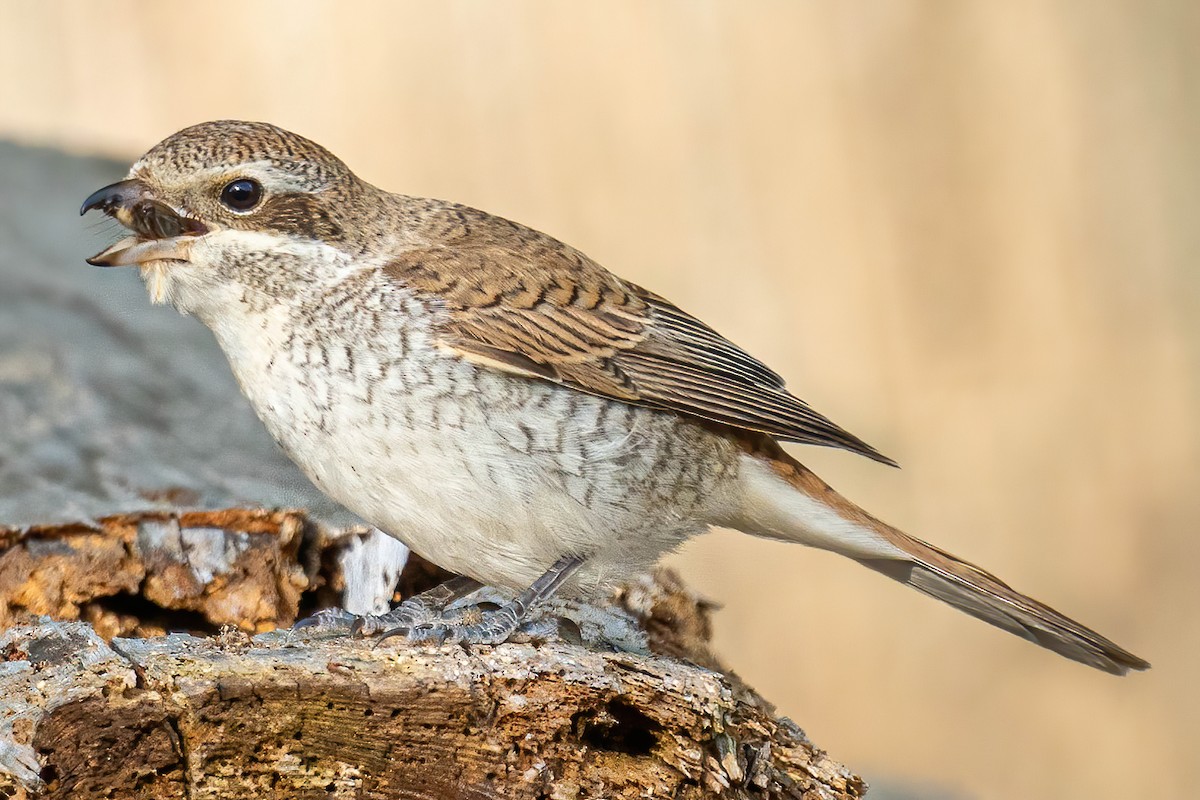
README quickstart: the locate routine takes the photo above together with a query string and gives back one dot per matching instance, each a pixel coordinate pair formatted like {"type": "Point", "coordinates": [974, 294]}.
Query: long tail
{"type": "Point", "coordinates": [784, 500]}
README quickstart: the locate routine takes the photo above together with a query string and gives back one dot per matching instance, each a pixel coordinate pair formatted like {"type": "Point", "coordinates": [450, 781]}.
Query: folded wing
{"type": "Point", "coordinates": [519, 301]}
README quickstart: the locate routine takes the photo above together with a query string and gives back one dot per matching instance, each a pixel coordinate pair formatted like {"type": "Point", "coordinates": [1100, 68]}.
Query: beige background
{"type": "Point", "coordinates": [966, 231]}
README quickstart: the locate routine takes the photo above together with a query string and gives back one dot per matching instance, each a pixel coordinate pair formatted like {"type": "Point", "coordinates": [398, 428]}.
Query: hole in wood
{"type": "Point", "coordinates": [151, 614]}
{"type": "Point", "coordinates": [617, 727]}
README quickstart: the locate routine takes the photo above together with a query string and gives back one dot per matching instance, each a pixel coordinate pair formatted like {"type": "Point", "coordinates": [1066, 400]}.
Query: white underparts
{"type": "Point", "coordinates": [776, 509]}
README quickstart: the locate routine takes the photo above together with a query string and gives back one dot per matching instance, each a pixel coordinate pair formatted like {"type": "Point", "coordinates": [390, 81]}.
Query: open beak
{"type": "Point", "coordinates": [159, 231]}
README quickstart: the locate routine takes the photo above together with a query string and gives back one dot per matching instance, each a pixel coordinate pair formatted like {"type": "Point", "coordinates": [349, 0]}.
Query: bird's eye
{"type": "Point", "coordinates": [242, 194]}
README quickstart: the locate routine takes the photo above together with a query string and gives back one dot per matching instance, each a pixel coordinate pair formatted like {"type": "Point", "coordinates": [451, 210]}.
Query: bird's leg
{"type": "Point", "coordinates": [422, 608]}
{"type": "Point", "coordinates": [496, 625]}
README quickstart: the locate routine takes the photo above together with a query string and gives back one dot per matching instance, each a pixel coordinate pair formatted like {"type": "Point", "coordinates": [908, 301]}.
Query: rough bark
{"type": "Point", "coordinates": [290, 716]}
{"type": "Point", "coordinates": [145, 574]}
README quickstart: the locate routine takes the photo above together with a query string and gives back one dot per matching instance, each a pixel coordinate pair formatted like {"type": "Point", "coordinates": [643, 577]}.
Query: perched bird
{"type": "Point", "coordinates": [494, 398]}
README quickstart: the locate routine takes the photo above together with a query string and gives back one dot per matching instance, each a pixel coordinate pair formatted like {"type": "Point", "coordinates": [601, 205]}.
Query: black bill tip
{"type": "Point", "coordinates": [121, 193]}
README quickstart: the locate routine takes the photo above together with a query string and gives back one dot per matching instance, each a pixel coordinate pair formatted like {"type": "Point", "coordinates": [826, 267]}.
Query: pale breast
{"type": "Point", "coordinates": [486, 474]}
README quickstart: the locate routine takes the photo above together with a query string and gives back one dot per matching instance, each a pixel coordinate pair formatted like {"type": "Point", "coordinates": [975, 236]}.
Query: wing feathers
{"type": "Point", "coordinates": [520, 301]}
{"type": "Point", "coordinates": [684, 330]}
{"type": "Point", "coordinates": [720, 399]}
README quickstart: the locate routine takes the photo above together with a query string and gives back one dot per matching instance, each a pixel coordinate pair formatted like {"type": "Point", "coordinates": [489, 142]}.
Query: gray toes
{"type": "Point", "coordinates": [327, 619]}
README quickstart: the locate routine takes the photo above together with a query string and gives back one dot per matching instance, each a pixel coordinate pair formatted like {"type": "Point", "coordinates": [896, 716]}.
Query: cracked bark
{"type": "Point", "coordinates": [226, 715]}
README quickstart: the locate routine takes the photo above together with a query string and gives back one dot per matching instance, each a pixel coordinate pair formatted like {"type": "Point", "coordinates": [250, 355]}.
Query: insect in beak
{"type": "Point", "coordinates": [159, 231]}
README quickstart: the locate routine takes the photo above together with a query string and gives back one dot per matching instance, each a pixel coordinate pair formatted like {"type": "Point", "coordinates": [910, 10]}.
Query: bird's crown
{"type": "Point", "coordinates": [233, 143]}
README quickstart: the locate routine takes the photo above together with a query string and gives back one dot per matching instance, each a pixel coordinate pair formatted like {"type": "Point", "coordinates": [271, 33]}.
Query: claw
{"type": "Point", "coordinates": [326, 618]}
{"type": "Point", "coordinates": [388, 634]}
{"type": "Point", "coordinates": [493, 627]}
{"type": "Point", "coordinates": [418, 634]}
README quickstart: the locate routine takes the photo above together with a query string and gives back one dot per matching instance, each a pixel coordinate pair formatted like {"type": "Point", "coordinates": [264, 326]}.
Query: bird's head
{"type": "Point", "coordinates": [225, 207]}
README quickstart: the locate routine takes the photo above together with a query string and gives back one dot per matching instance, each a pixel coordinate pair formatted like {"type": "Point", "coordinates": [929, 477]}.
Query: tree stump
{"type": "Point", "coordinates": [110, 707]}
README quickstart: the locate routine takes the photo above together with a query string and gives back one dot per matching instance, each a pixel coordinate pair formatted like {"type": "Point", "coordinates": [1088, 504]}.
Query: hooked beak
{"type": "Point", "coordinates": [159, 231]}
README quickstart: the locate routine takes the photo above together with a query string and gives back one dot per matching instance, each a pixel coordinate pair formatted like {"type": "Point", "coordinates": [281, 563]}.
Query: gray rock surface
{"type": "Point", "coordinates": [108, 404]}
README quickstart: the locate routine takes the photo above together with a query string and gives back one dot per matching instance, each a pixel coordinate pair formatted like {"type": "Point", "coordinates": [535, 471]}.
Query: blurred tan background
{"type": "Point", "coordinates": [967, 231]}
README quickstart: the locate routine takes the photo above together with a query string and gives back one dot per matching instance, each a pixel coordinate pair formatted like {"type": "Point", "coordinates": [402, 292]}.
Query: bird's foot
{"type": "Point", "coordinates": [416, 610]}
{"type": "Point", "coordinates": [476, 626]}
{"type": "Point", "coordinates": [334, 620]}
{"type": "Point", "coordinates": [494, 625]}
{"type": "Point", "coordinates": [426, 608]}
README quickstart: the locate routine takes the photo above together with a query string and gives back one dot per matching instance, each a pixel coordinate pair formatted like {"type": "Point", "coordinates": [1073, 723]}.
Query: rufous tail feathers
{"type": "Point", "coordinates": [787, 501]}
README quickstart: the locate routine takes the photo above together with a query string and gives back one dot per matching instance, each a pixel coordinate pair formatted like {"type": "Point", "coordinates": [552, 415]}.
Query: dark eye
{"type": "Point", "coordinates": [242, 194]}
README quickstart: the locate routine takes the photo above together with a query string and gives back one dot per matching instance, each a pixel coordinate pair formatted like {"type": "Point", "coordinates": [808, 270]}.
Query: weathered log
{"type": "Point", "coordinates": [284, 715]}
{"type": "Point", "coordinates": [146, 574]}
